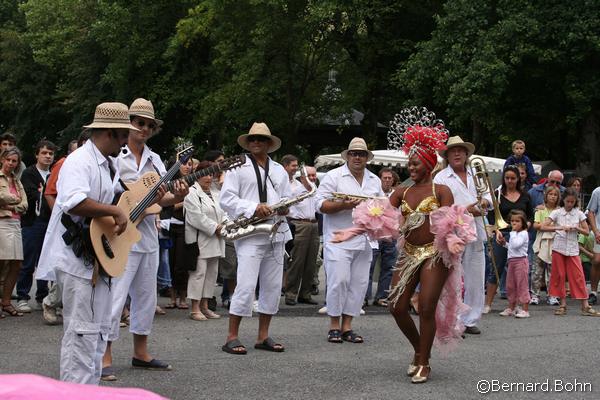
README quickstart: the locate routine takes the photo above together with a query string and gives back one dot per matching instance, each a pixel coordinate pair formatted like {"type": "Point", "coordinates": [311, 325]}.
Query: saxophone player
{"type": "Point", "coordinates": [347, 263]}
{"type": "Point", "coordinates": [462, 185]}
{"type": "Point", "coordinates": [248, 191]}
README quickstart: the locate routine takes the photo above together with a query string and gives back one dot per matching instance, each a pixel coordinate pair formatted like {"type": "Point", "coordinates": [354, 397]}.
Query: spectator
{"type": "Point", "coordinates": [593, 208]}
{"type": "Point", "coordinates": [8, 140]}
{"type": "Point", "coordinates": [13, 203]}
{"type": "Point", "coordinates": [576, 183]}
{"type": "Point", "coordinates": [518, 157]}
{"type": "Point", "coordinates": [555, 178]}
{"type": "Point", "coordinates": [525, 184]}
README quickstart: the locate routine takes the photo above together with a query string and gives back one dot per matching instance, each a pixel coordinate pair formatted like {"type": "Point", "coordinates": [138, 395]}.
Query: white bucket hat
{"type": "Point", "coordinates": [144, 108]}
{"type": "Point", "coordinates": [357, 143]}
{"type": "Point", "coordinates": [456, 141]}
{"type": "Point", "coordinates": [111, 116]}
{"type": "Point", "coordinates": [259, 129]}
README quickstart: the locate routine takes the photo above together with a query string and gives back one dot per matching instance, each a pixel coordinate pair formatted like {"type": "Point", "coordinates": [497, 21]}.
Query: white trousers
{"type": "Point", "coordinates": [139, 282]}
{"type": "Point", "coordinates": [262, 263]}
{"type": "Point", "coordinates": [473, 263]}
{"type": "Point", "coordinates": [86, 322]}
{"type": "Point", "coordinates": [201, 282]}
{"type": "Point", "coordinates": [347, 279]}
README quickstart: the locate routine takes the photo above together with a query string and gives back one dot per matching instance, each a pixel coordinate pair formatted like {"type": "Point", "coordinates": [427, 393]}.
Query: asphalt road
{"type": "Point", "coordinates": [543, 348]}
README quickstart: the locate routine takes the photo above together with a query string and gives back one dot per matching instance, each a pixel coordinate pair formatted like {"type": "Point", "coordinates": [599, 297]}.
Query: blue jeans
{"type": "Point", "coordinates": [33, 239]}
{"type": "Point", "coordinates": [163, 278]}
{"type": "Point", "coordinates": [389, 253]}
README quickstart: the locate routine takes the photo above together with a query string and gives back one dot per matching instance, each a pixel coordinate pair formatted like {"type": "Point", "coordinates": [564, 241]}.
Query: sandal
{"type": "Point", "coordinates": [270, 345]}
{"type": "Point", "coordinates": [171, 306]}
{"type": "Point", "coordinates": [159, 310]}
{"type": "Point", "coordinates": [183, 306]}
{"type": "Point", "coordinates": [231, 346]}
{"type": "Point", "coordinates": [413, 367]}
{"type": "Point", "coordinates": [562, 310]}
{"type": "Point", "coordinates": [198, 316]}
{"type": "Point", "coordinates": [334, 336]}
{"type": "Point", "coordinates": [208, 313]}
{"type": "Point", "coordinates": [590, 312]}
{"type": "Point", "coordinates": [418, 378]}
{"type": "Point", "coordinates": [11, 311]}
{"type": "Point", "coordinates": [351, 336]}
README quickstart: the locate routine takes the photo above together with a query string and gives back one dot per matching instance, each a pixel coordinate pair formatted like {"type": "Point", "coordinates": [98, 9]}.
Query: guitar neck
{"type": "Point", "coordinates": [191, 178]}
{"type": "Point", "coordinates": [147, 200]}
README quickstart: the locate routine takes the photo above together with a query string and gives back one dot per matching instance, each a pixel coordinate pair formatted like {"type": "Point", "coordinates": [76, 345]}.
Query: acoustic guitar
{"type": "Point", "coordinates": [112, 250]}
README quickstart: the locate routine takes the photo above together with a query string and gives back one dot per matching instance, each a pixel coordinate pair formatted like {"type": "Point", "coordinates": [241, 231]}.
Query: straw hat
{"type": "Point", "coordinates": [144, 108]}
{"type": "Point", "coordinates": [259, 128]}
{"type": "Point", "coordinates": [111, 115]}
{"type": "Point", "coordinates": [456, 141]}
{"type": "Point", "coordinates": [357, 144]}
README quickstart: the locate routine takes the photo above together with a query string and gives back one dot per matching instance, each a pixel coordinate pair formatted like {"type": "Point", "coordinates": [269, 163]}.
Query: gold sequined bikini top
{"type": "Point", "coordinates": [426, 206]}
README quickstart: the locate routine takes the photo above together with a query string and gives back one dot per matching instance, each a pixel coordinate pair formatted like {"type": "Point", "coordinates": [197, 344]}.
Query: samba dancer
{"type": "Point", "coordinates": [346, 263]}
{"type": "Point", "coordinates": [247, 192]}
{"type": "Point", "coordinates": [424, 258]}
{"type": "Point", "coordinates": [139, 279]}
{"type": "Point", "coordinates": [86, 186]}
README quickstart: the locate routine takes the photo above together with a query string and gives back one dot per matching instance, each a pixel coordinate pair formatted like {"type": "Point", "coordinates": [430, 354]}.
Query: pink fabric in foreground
{"type": "Point", "coordinates": [35, 387]}
{"type": "Point", "coordinates": [375, 217]}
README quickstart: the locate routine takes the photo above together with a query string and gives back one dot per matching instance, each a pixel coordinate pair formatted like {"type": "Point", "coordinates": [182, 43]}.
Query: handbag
{"type": "Point", "coordinates": [191, 253]}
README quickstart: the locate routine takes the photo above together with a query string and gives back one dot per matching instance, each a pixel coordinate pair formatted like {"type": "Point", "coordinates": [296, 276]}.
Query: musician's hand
{"type": "Point", "coordinates": [500, 238]}
{"type": "Point", "coordinates": [180, 188]}
{"type": "Point", "coordinates": [262, 211]}
{"type": "Point", "coordinates": [162, 190]}
{"type": "Point", "coordinates": [485, 205]}
{"type": "Point", "coordinates": [350, 204]}
{"type": "Point", "coordinates": [120, 220]}
{"type": "Point", "coordinates": [474, 209]}
{"type": "Point", "coordinates": [284, 211]}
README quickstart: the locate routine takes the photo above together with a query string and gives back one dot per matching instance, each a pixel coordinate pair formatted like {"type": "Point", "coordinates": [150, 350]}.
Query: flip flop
{"type": "Point", "coordinates": [230, 346]}
{"type": "Point", "coordinates": [108, 374]}
{"type": "Point", "coordinates": [351, 336]}
{"type": "Point", "coordinates": [270, 345]}
{"type": "Point", "coordinates": [183, 306]}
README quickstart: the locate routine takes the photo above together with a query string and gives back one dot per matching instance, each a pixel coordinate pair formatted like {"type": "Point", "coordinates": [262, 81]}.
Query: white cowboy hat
{"type": "Point", "coordinates": [111, 116]}
{"type": "Point", "coordinates": [456, 141]}
{"type": "Point", "coordinates": [259, 129]}
{"type": "Point", "coordinates": [144, 108]}
{"type": "Point", "coordinates": [357, 144]}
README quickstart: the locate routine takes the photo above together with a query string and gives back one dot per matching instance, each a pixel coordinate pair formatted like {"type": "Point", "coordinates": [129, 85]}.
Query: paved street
{"type": "Point", "coordinates": [509, 350]}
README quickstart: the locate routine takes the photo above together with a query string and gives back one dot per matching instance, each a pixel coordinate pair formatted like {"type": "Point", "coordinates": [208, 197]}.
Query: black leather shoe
{"type": "Point", "coordinates": [290, 302]}
{"type": "Point", "coordinates": [307, 301]}
{"type": "Point", "coordinates": [473, 330]}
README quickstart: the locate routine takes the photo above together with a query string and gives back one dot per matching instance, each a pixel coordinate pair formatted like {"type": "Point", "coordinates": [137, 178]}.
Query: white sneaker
{"type": "Point", "coordinates": [522, 314]}
{"type": "Point", "coordinates": [534, 300]}
{"type": "Point", "coordinates": [23, 306]}
{"type": "Point", "coordinates": [509, 312]}
{"type": "Point", "coordinates": [37, 306]}
{"type": "Point", "coordinates": [49, 315]}
{"type": "Point", "coordinates": [553, 301]}
{"type": "Point", "coordinates": [362, 312]}
{"type": "Point", "coordinates": [322, 310]}
{"type": "Point", "coordinates": [486, 309]}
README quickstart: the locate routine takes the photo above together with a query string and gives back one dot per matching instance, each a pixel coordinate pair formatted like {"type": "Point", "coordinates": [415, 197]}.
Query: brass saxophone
{"type": "Point", "coordinates": [242, 227]}
{"type": "Point", "coordinates": [345, 196]}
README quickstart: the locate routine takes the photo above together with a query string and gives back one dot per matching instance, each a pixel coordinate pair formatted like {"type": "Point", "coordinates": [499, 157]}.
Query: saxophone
{"type": "Point", "coordinates": [242, 227]}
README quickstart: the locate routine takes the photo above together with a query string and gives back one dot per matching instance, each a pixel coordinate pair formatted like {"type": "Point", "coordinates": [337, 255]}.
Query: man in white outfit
{"type": "Point", "coordinates": [139, 279]}
{"type": "Point", "coordinates": [347, 263]}
{"type": "Point", "coordinates": [249, 191]}
{"type": "Point", "coordinates": [86, 186]}
{"type": "Point", "coordinates": [460, 181]}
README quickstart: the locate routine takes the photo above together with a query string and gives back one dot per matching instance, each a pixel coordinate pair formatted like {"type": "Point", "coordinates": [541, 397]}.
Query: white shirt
{"type": "Point", "coordinates": [463, 195]}
{"type": "Point", "coordinates": [239, 196]}
{"type": "Point", "coordinates": [517, 244]}
{"type": "Point", "coordinates": [566, 242]}
{"type": "Point", "coordinates": [341, 180]}
{"type": "Point", "coordinates": [84, 175]}
{"type": "Point", "coordinates": [130, 172]}
{"type": "Point", "coordinates": [306, 208]}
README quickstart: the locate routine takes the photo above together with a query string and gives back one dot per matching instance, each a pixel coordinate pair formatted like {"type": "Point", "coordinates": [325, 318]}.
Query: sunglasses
{"type": "Point", "coordinates": [554, 182]}
{"type": "Point", "coordinates": [142, 123]}
{"type": "Point", "coordinates": [258, 138]}
{"type": "Point", "coordinates": [357, 153]}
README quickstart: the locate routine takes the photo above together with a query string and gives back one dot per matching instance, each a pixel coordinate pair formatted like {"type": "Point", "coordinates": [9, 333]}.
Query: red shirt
{"type": "Point", "coordinates": [53, 178]}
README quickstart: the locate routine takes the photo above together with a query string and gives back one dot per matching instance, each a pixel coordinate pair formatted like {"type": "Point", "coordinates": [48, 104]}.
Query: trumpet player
{"type": "Point", "coordinates": [247, 192]}
{"type": "Point", "coordinates": [346, 263]}
{"type": "Point", "coordinates": [461, 182]}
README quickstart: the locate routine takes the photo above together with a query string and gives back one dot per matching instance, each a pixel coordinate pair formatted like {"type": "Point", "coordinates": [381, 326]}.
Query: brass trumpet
{"type": "Point", "coordinates": [344, 196]}
{"type": "Point", "coordinates": [483, 185]}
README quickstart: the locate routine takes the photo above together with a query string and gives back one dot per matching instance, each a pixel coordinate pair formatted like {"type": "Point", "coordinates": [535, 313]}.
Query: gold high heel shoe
{"type": "Point", "coordinates": [418, 378]}
{"type": "Point", "coordinates": [413, 367]}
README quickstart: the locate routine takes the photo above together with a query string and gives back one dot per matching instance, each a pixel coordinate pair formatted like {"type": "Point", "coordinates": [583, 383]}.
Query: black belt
{"type": "Point", "coordinates": [312, 221]}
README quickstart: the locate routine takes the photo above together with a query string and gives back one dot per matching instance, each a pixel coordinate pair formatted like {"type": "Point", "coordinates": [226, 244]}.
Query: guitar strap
{"type": "Point", "coordinates": [262, 187]}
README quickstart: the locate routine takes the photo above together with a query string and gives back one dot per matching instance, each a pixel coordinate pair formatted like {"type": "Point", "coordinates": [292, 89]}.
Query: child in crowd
{"type": "Point", "coordinates": [586, 252]}
{"type": "Point", "coordinates": [518, 157]}
{"type": "Point", "coordinates": [542, 247]}
{"type": "Point", "coordinates": [517, 277]}
{"type": "Point", "coordinates": [567, 222]}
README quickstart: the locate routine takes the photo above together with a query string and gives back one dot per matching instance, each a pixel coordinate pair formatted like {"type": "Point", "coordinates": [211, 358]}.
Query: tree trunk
{"type": "Point", "coordinates": [588, 156]}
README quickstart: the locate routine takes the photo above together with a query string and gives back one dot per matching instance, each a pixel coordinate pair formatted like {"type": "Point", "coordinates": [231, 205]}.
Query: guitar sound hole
{"type": "Point", "coordinates": [107, 248]}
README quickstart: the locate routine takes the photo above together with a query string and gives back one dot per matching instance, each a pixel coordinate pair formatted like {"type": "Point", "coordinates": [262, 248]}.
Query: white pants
{"type": "Point", "coordinates": [262, 263]}
{"type": "Point", "coordinates": [139, 281]}
{"type": "Point", "coordinates": [347, 279]}
{"type": "Point", "coordinates": [473, 263]}
{"type": "Point", "coordinates": [201, 282]}
{"type": "Point", "coordinates": [86, 317]}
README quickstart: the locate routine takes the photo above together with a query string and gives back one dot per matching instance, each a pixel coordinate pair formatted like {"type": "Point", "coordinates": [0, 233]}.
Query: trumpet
{"type": "Point", "coordinates": [355, 197]}
{"type": "Point", "coordinates": [481, 179]}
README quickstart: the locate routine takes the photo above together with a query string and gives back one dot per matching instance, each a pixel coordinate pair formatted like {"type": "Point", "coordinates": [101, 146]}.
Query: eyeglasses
{"type": "Point", "coordinates": [258, 138]}
{"type": "Point", "coordinates": [357, 153]}
{"type": "Point", "coordinates": [142, 123]}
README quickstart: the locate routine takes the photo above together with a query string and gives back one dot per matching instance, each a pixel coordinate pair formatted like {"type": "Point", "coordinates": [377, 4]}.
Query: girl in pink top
{"type": "Point", "coordinates": [567, 222]}
{"type": "Point", "coordinates": [517, 278]}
